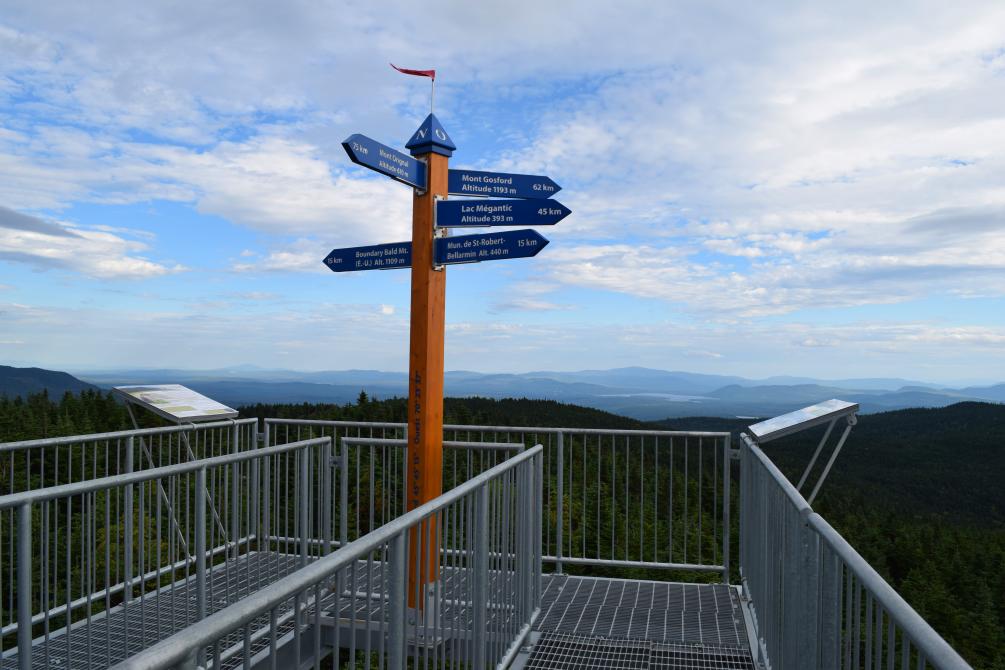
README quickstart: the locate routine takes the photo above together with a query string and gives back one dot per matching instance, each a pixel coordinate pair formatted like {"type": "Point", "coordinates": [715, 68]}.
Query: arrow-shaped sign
{"type": "Point", "coordinates": [372, 154]}
{"type": "Point", "coordinates": [480, 213]}
{"type": "Point", "coordinates": [449, 251]}
{"type": "Point", "coordinates": [500, 184]}
{"type": "Point", "coordinates": [489, 247]}
{"type": "Point", "coordinates": [375, 257]}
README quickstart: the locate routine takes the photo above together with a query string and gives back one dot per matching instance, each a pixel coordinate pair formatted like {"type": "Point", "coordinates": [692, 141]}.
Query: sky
{"type": "Point", "coordinates": [798, 188]}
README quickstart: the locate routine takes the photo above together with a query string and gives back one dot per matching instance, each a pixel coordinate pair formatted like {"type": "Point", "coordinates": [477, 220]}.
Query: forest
{"type": "Point", "coordinates": [917, 492]}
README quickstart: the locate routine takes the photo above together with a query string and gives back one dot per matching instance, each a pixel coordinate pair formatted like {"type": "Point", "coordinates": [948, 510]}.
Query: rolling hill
{"type": "Point", "coordinates": [22, 382]}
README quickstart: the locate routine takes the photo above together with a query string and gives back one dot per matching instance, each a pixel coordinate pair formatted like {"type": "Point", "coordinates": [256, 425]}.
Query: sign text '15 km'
{"type": "Point", "coordinates": [489, 247]}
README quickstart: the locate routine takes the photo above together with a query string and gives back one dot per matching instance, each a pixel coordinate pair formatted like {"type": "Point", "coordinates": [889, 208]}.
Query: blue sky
{"type": "Point", "coordinates": [797, 190]}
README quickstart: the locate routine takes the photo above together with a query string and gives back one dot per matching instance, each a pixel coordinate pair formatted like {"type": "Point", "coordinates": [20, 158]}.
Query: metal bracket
{"type": "Point", "coordinates": [438, 233]}
{"type": "Point", "coordinates": [851, 419]}
{"type": "Point", "coordinates": [421, 191]}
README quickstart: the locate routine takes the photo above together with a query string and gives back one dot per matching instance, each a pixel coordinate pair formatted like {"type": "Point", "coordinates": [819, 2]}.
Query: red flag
{"type": "Point", "coordinates": [419, 73]}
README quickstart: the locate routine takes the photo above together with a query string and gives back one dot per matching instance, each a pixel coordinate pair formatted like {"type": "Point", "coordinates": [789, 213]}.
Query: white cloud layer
{"type": "Point", "coordinates": [340, 336]}
{"type": "Point", "coordinates": [94, 253]}
{"type": "Point", "coordinates": [807, 142]}
{"type": "Point", "coordinates": [730, 162]}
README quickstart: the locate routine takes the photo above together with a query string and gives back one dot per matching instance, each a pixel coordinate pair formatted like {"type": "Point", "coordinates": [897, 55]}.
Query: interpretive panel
{"type": "Point", "coordinates": [176, 402]}
{"type": "Point", "coordinates": [807, 417]}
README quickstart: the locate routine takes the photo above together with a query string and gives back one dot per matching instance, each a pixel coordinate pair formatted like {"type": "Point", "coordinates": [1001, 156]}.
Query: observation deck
{"type": "Point", "coordinates": [239, 544]}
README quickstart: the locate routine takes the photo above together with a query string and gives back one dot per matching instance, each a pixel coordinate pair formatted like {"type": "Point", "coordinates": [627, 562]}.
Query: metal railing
{"type": "Point", "coordinates": [612, 498]}
{"type": "Point", "coordinates": [371, 464]}
{"type": "Point", "coordinates": [141, 554]}
{"type": "Point", "coordinates": [471, 556]}
{"type": "Point", "coordinates": [816, 603]}
{"type": "Point", "coordinates": [35, 464]}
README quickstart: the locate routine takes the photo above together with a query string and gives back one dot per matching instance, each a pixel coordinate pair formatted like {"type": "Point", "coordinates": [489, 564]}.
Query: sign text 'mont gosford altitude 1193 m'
{"type": "Point", "coordinates": [500, 184]}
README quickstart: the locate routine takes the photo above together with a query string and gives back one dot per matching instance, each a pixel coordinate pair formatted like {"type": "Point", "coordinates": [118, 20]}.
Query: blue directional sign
{"type": "Point", "coordinates": [479, 213]}
{"type": "Point", "coordinates": [375, 257]}
{"type": "Point", "coordinates": [500, 184]}
{"type": "Point", "coordinates": [397, 165]}
{"type": "Point", "coordinates": [489, 247]}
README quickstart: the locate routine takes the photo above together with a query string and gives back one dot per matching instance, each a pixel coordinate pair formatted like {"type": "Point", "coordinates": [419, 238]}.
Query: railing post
{"type": "Point", "coordinates": [528, 492]}
{"type": "Point", "coordinates": [809, 588]}
{"type": "Point", "coordinates": [344, 494]}
{"type": "Point", "coordinates": [560, 503]}
{"type": "Point", "coordinates": [191, 662]}
{"type": "Point", "coordinates": [727, 469]}
{"type": "Point", "coordinates": [255, 493]}
{"type": "Point", "coordinates": [538, 524]}
{"type": "Point", "coordinates": [235, 494]}
{"type": "Point", "coordinates": [24, 587]}
{"type": "Point", "coordinates": [397, 623]}
{"type": "Point", "coordinates": [264, 524]}
{"type": "Point", "coordinates": [305, 505]}
{"type": "Point", "coordinates": [326, 496]}
{"type": "Point", "coordinates": [200, 549]}
{"type": "Point", "coordinates": [830, 611]}
{"type": "Point", "coordinates": [127, 590]}
{"type": "Point", "coordinates": [479, 595]}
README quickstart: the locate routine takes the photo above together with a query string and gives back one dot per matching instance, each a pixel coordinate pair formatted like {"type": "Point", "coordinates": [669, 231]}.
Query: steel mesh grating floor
{"type": "Point", "coordinates": [707, 614]}
{"type": "Point", "coordinates": [454, 587]}
{"type": "Point", "coordinates": [555, 651]}
{"type": "Point", "coordinates": [124, 631]}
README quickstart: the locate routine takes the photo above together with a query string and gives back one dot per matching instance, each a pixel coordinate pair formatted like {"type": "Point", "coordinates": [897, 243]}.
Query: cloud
{"type": "Point", "coordinates": [303, 255]}
{"type": "Point", "coordinates": [48, 245]}
{"type": "Point", "coordinates": [754, 164]}
{"type": "Point", "coordinates": [12, 220]}
{"type": "Point", "coordinates": [530, 305]}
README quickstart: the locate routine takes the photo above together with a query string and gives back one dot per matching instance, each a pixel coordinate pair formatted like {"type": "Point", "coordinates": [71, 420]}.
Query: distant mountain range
{"type": "Point", "coordinates": [26, 381]}
{"type": "Point", "coordinates": [641, 393]}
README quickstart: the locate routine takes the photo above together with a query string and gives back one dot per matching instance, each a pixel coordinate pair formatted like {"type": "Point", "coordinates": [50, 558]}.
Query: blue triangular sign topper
{"type": "Point", "coordinates": [431, 137]}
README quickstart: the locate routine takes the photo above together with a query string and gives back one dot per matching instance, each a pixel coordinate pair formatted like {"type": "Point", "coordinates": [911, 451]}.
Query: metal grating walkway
{"type": "Point", "coordinates": [555, 651]}
{"type": "Point", "coordinates": [125, 630]}
{"type": "Point", "coordinates": [707, 614]}
{"type": "Point", "coordinates": [589, 622]}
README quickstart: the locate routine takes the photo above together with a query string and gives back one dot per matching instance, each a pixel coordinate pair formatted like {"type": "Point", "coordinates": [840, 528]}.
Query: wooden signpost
{"type": "Point", "coordinates": [429, 251]}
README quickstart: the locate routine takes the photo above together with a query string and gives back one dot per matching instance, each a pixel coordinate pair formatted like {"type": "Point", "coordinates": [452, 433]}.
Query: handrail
{"type": "Point", "coordinates": [91, 485]}
{"type": "Point", "coordinates": [179, 647]}
{"type": "Point", "coordinates": [928, 641]}
{"type": "Point", "coordinates": [631, 463]}
{"type": "Point", "coordinates": [502, 429]}
{"type": "Point", "coordinates": [120, 434]}
{"type": "Point", "coordinates": [447, 444]}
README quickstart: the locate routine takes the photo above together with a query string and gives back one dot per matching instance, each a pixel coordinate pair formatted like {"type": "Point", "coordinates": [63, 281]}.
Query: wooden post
{"type": "Point", "coordinates": [424, 479]}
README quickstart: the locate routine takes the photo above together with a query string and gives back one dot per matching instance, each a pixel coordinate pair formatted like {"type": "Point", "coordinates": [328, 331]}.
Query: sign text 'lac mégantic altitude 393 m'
{"type": "Point", "coordinates": [478, 213]}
